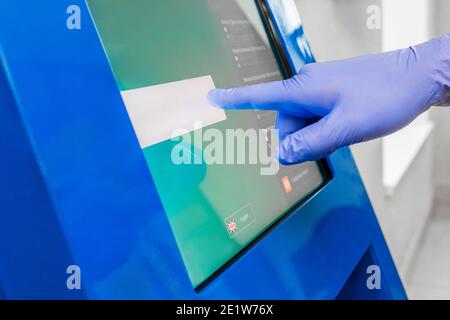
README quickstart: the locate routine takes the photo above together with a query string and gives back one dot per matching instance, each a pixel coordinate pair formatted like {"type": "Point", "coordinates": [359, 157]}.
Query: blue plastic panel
{"type": "Point", "coordinates": [75, 188]}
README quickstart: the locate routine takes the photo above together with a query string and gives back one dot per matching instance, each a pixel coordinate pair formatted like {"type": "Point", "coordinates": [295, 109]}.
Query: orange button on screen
{"type": "Point", "coordinates": [286, 184]}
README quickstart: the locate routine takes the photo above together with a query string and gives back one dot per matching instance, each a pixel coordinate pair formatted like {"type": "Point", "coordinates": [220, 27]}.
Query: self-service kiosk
{"type": "Point", "coordinates": [89, 189]}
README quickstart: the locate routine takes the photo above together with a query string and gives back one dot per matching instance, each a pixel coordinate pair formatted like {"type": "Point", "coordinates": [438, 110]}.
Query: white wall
{"type": "Point", "coordinates": [405, 23]}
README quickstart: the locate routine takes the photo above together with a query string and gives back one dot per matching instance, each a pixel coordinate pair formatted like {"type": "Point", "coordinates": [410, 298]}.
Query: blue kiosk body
{"type": "Point", "coordinates": [76, 189]}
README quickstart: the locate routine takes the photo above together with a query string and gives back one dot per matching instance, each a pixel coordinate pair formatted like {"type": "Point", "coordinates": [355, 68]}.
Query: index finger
{"type": "Point", "coordinates": [264, 96]}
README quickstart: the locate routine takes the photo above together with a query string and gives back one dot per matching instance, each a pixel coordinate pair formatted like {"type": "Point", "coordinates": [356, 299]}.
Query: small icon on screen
{"type": "Point", "coordinates": [231, 226]}
{"type": "Point", "coordinates": [286, 184]}
{"type": "Point", "coordinates": [239, 220]}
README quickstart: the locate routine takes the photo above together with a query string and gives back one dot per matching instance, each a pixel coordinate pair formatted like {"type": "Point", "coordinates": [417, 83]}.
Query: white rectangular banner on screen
{"type": "Point", "coordinates": [158, 111]}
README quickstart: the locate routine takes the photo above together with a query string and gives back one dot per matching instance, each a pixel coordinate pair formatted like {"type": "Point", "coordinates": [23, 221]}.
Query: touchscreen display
{"type": "Point", "coordinates": [166, 55]}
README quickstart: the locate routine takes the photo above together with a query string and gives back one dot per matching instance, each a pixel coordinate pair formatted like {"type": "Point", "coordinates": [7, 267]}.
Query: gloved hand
{"type": "Point", "coordinates": [334, 104]}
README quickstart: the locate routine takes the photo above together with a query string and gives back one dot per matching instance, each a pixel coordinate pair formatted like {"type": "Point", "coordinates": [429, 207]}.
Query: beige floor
{"type": "Point", "coordinates": [429, 275]}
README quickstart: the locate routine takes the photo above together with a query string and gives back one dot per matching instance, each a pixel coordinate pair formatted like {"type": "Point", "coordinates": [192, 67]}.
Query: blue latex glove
{"type": "Point", "coordinates": [334, 104]}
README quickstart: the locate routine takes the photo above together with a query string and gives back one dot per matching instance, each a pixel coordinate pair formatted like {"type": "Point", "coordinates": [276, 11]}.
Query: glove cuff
{"type": "Point", "coordinates": [441, 72]}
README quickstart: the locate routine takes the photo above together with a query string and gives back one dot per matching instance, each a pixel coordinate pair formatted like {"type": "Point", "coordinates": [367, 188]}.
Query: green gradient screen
{"type": "Point", "coordinates": [215, 211]}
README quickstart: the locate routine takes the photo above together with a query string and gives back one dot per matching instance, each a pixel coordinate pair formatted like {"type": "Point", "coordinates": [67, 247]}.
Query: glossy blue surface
{"type": "Point", "coordinates": [75, 188]}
